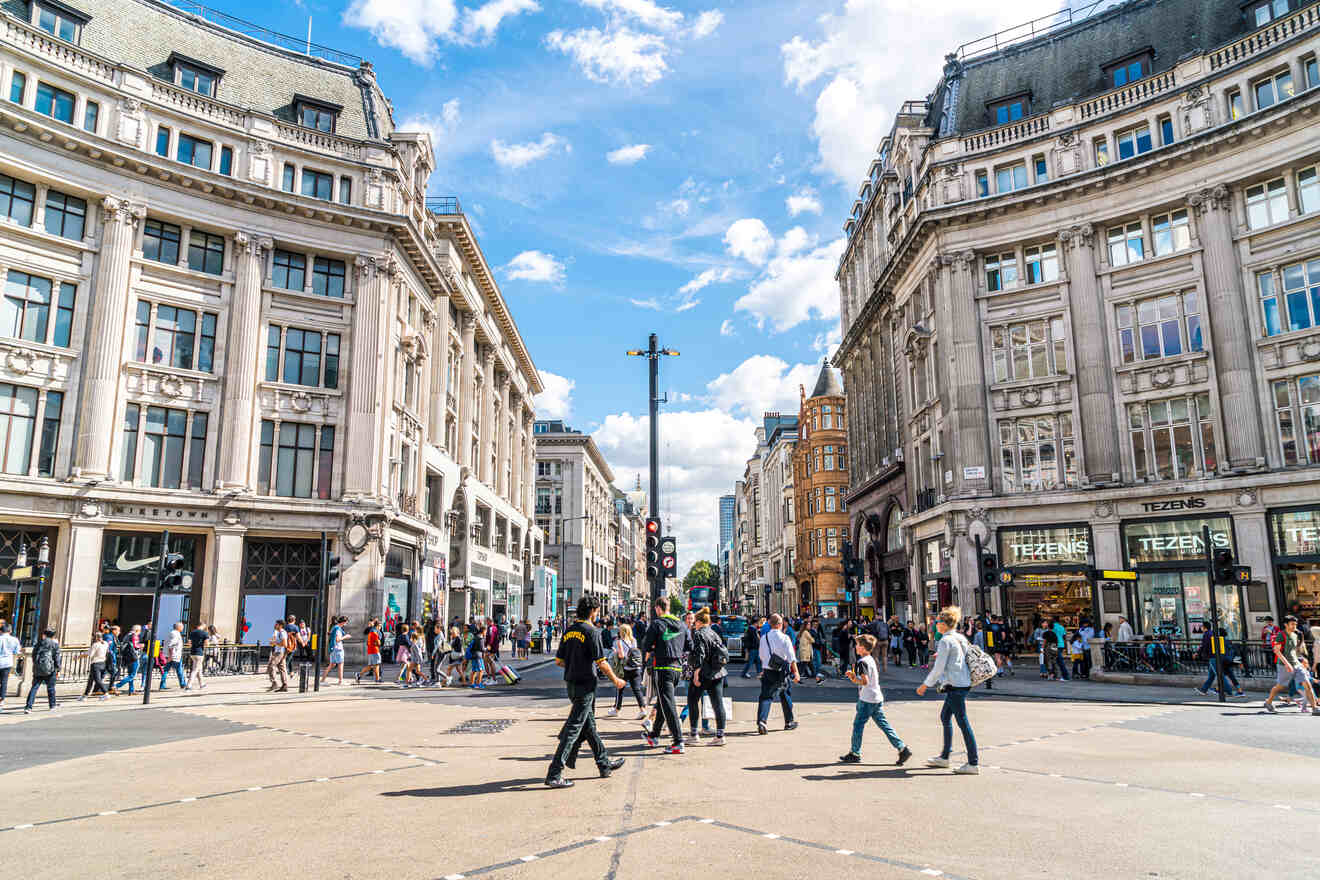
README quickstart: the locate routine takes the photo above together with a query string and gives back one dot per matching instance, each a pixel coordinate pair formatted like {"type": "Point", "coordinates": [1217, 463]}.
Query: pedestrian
{"type": "Point", "coordinates": [630, 668]}
{"type": "Point", "coordinates": [473, 653]}
{"type": "Point", "coordinates": [805, 654]}
{"type": "Point", "coordinates": [519, 635]}
{"type": "Point", "coordinates": [338, 635]}
{"type": "Point", "coordinates": [111, 636]}
{"type": "Point", "coordinates": [403, 657]}
{"type": "Point", "coordinates": [1086, 632]}
{"type": "Point", "coordinates": [881, 642]}
{"type": "Point", "coordinates": [278, 648]}
{"type": "Point", "coordinates": [197, 640]}
{"type": "Point", "coordinates": [1125, 632]}
{"type": "Point", "coordinates": [709, 658]}
{"type": "Point", "coordinates": [213, 641]}
{"type": "Point", "coordinates": [751, 643]}
{"type": "Point", "coordinates": [951, 676]}
{"type": "Point", "coordinates": [130, 657]}
{"type": "Point", "coordinates": [10, 648]}
{"type": "Point", "coordinates": [870, 703]}
{"type": "Point", "coordinates": [843, 646]}
{"type": "Point", "coordinates": [896, 633]}
{"type": "Point", "coordinates": [45, 667]}
{"type": "Point", "coordinates": [372, 637]}
{"type": "Point", "coordinates": [96, 654]}
{"type": "Point", "coordinates": [439, 651]}
{"type": "Point", "coordinates": [174, 657]}
{"type": "Point", "coordinates": [912, 633]}
{"type": "Point", "coordinates": [1290, 668]}
{"type": "Point", "coordinates": [580, 655]}
{"type": "Point", "coordinates": [779, 665]}
{"type": "Point", "coordinates": [666, 641]}
{"type": "Point", "coordinates": [1206, 653]}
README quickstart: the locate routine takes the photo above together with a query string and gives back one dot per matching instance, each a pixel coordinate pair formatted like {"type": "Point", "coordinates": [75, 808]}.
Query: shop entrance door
{"type": "Point", "coordinates": [1035, 598]}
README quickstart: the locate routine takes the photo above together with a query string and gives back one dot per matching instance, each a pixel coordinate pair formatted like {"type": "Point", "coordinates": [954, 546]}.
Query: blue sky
{"type": "Point", "coordinates": [679, 167]}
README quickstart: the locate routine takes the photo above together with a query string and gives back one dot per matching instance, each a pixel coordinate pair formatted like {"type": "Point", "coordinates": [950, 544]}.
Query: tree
{"type": "Point", "coordinates": [702, 574]}
{"type": "Point", "coordinates": [676, 606]}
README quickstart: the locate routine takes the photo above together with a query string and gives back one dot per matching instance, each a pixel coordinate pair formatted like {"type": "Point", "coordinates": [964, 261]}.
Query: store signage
{"type": "Point", "coordinates": [1297, 532]}
{"type": "Point", "coordinates": [1174, 504]}
{"type": "Point", "coordinates": [974, 473]}
{"type": "Point", "coordinates": [1105, 575]}
{"type": "Point", "coordinates": [1046, 546]}
{"type": "Point", "coordinates": [1175, 540]}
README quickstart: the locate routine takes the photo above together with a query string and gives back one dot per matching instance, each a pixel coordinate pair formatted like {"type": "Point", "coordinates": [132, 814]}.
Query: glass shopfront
{"type": "Point", "coordinates": [281, 576]}
{"type": "Point", "coordinates": [400, 584]}
{"type": "Point", "coordinates": [1049, 565]}
{"type": "Point", "coordinates": [1295, 543]}
{"type": "Point", "coordinates": [130, 562]}
{"type": "Point", "coordinates": [1173, 592]}
{"type": "Point", "coordinates": [18, 599]}
{"type": "Point", "coordinates": [936, 577]}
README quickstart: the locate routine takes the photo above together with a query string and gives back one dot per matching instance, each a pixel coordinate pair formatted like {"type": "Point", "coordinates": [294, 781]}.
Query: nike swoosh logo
{"type": "Point", "coordinates": [123, 563]}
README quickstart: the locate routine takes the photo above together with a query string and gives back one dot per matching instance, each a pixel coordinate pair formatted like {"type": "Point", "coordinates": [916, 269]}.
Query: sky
{"type": "Point", "coordinates": [639, 166]}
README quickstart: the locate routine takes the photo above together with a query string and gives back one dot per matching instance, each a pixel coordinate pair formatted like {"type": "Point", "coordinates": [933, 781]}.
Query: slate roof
{"type": "Point", "coordinates": [827, 385]}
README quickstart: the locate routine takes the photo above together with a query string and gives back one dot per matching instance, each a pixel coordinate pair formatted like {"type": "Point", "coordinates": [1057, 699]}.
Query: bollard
{"type": "Point", "coordinates": [302, 678]}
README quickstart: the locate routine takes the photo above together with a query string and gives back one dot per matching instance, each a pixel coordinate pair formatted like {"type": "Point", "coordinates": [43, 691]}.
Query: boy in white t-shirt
{"type": "Point", "coordinates": [870, 703]}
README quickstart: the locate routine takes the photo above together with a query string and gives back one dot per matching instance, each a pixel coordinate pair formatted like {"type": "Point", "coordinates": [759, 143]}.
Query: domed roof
{"type": "Point", "coordinates": [828, 385]}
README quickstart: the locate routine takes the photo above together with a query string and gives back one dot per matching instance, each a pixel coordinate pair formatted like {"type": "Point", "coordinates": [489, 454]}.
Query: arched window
{"type": "Point", "coordinates": [894, 530]}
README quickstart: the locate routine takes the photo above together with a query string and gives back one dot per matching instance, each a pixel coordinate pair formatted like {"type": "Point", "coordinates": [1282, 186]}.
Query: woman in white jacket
{"type": "Point", "coordinates": [950, 671]}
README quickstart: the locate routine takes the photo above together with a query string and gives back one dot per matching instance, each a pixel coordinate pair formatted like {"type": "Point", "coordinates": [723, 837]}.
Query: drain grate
{"type": "Point", "coordinates": [482, 725]}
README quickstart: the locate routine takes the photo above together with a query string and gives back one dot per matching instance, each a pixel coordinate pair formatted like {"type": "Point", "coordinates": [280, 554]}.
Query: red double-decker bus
{"type": "Point", "coordinates": [702, 597]}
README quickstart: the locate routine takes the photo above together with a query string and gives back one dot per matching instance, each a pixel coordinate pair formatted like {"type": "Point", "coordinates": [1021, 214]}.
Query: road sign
{"type": "Point", "coordinates": [1105, 575]}
{"type": "Point", "coordinates": [667, 546]}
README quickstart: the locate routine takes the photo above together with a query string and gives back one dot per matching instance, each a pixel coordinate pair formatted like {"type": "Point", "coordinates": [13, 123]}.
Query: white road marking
{"type": "Point", "coordinates": [1121, 784]}
{"type": "Point", "coordinates": [1282, 807]}
{"type": "Point", "coordinates": [662, 823]}
{"type": "Point", "coordinates": [932, 872]}
{"type": "Point", "coordinates": [255, 788]}
{"type": "Point", "coordinates": [707, 821]}
{"type": "Point", "coordinates": [843, 852]}
{"type": "Point", "coordinates": [21, 827]}
{"type": "Point", "coordinates": [1056, 776]}
{"type": "Point", "coordinates": [1195, 794]}
{"type": "Point", "coordinates": [377, 771]}
{"type": "Point", "coordinates": [528, 858]}
{"type": "Point", "coordinates": [108, 813]}
{"type": "Point", "coordinates": [323, 779]}
{"type": "Point", "coordinates": [770, 836]}
{"type": "Point", "coordinates": [600, 839]}
{"type": "Point", "coordinates": [187, 800]}
{"type": "Point", "coordinates": [454, 877]}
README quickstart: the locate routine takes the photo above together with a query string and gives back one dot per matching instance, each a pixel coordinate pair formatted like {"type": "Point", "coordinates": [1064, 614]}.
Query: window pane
{"type": "Point", "coordinates": [1163, 453]}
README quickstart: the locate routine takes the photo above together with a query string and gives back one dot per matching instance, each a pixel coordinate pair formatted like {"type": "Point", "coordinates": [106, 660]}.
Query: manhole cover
{"type": "Point", "coordinates": [482, 725]}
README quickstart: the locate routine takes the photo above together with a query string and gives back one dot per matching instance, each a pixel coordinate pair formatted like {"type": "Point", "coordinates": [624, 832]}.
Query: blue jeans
{"type": "Point", "coordinates": [178, 669]}
{"type": "Point", "coordinates": [1062, 658]}
{"type": "Point", "coordinates": [872, 712]}
{"type": "Point", "coordinates": [130, 676]}
{"type": "Point", "coordinates": [955, 707]}
{"type": "Point", "coordinates": [755, 658]}
{"type": "Point", "coordinates": [1228, 675]}
{"type": "Point", "coordinates": [774, 685]}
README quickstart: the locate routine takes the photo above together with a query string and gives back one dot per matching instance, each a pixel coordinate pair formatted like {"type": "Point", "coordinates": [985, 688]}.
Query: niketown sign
{"type": "Point", "coordinates": [158, 513]}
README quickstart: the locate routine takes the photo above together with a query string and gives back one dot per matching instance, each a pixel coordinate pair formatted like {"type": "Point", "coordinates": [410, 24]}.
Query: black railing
{"type": "Point", "coordinates": [443, 205]}
{"type": "Point", "coordinates": [266, 35]}
{"type": "Point", "coordinates": [1182, 657]}
{"type": "Point", "coordinates": [926, 499]}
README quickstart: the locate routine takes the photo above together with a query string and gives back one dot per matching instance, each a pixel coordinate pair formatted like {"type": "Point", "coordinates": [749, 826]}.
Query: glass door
{"type": "Point", "coordinates": [1162, 604]}
{"type": "Point", "coordinates": [1196, 598]}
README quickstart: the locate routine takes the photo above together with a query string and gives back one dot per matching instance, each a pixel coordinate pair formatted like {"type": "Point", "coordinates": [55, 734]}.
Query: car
{"type": "Point", "coordinates": [732, 629]}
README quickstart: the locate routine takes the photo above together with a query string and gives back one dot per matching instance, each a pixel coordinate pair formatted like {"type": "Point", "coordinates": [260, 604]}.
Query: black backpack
{"type": "Point", "coordinates": [43, 658]}
{"type": "Point", "coordinates": [716, 656]}
{"type": "Point", "coordinates": [127, 653]}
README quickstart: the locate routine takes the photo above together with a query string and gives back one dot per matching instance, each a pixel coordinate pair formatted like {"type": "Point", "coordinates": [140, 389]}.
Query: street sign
{"type": "Point", "coordinates": [1105, 575]}
{"type": "Point", "coordinates": [668, 546]}
{"type": "Point", "coordinates": [19, 574]}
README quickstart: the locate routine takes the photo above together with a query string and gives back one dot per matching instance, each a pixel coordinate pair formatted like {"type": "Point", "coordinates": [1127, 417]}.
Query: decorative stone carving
{"type": "Point", "coordinates": [115, 210]}
{"type": "Point", "coordinates": [252, 244]}
{"type": "Point", "coordinates": [1309, 350]}
{"type": "Point", "coordinates": [171, 386]}
{"type": "Point", "coordinates": [1196, 111]}
{"type": "Point", "coordinates": [1067, 154]}
{"type": "Point", "coordinates": [132, 127]}
{"type": "Point", "coordinates": [300, 401]}
{"type": "Point", "coordinates": [1081, 235]}
{"type": "Point", "coordinates": [1162, 378]}
{"type": "Point", "coordinates": [260, 162]}
{"type": "Point", "coordinates": [90, 510]}
{"type": "Point", "coordinates": [957, 261]}
{"type": "Point", "coordinates": [130, 104]}
{"type": "Point", "coordinates": [19, 362]}
{"type": "Point", "coordinates": [1104, 510]}
{"type": "Point", "coordinates": [1247, 498]}
{"type": "Point", "coordinates": [1215, 198]}
{"type": "Point", "coordinates": [1031, 397]}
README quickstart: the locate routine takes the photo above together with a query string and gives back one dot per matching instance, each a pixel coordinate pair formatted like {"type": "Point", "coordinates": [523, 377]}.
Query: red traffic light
{"type": "Point", "coordinates": [653, 526]}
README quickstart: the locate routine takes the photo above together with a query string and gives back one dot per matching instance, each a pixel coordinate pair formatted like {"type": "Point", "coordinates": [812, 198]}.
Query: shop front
{"type": "Point", "coordinates": [479, 591]}
{"type": "Point", "coordinates": [936, 576]}
{"type": "Point", "coordinates": [281, 576]}
{"type": "Point", "coordinates": [1172, 594]}
{"type": "Point", "coordinates": [499, 597]}
{"type": "Point", "coordinates": [402, 600]}
{"type": "Point", "coordinates": [1050, 575]}
{"type": "Point", "coordinates": [895, 568]}
{"type": "Point", "coordinates": [435, 573]}
{"type": "Point", "coordinates": [1295, 545]}
{"type": "Point", "coordinates": [18, 598]}
{"type": "Point", "coordinates": [130, 562]}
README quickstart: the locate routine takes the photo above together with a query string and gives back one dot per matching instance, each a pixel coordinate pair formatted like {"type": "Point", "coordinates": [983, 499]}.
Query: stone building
{"type": "Point", "coordinates": [1081, 314]}
{"type": "Point", "coordinates": [230, 312]}
{"type": "Point", "coordinates": [820, 484]}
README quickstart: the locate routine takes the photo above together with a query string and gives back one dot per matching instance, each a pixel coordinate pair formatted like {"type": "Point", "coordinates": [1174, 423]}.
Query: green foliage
{"type": "Point", "coordinates": [676, 607]}
{"type": "Point", "coordinates": [702, 574]}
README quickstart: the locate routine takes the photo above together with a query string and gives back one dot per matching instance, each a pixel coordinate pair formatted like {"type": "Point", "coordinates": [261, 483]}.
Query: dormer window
{"type": "Point", "coordinates": [1010, 108]}
{"type": "Point", "coordinates": [195, 76]}
{"type": "Point", "coordinates": [59, 20]}
{"type": "Point", "coordinates": [1129, 68]}
{"type": "Point", "coordinates": [316, 115]}
{"type": "Point", "coordinates": [1261, 14]}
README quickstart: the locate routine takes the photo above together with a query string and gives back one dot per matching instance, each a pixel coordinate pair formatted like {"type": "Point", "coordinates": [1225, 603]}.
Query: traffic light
{"type": "Point", "coordinates": [331, 570]}
{"type": "Point", "coordinates": [172, 574]}
{"type": "Point", "coordinates": [1227, 572]}
{"type": "Point", "coordinates": [668, 557]}
{"type": "Point", "coordinates": [652, 548]}
{"type": "Point", "coordinates": [990, 574]}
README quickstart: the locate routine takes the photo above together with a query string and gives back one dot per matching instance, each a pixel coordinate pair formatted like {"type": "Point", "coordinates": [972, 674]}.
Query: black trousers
{"type": "Point", "coordinates": [775, 686]}
{"type": "Point", "coordinates": [666, 680]}
{"type": "Point", "coordinates": [579, 728]}
{"type": "Point", "coordinates": [716, 691]}
{"type": "Point", "coordinates": [630, 676]}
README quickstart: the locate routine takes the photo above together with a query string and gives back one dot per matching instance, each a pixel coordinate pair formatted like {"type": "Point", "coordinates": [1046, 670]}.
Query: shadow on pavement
{"type": "Point", "coordinates": [454, 791]}
{"type": "Point", "coordinates": [783, 767]}
{"type": "Point", "coordinates": [891, 773]}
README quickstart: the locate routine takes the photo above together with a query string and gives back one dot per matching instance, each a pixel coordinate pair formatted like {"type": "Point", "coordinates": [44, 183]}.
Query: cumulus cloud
{"type": "Point", "coordinates": [804, 201]}
{"type": "Point", "coordinates": [418, 27]}
{"type": "Point", "coordinates": [520, 155]}
{"type": "Point", "coordinates": [762, 383]}
{"type": "Point", "coordinates": [645, 12]}
{"type": "Point", "coordinates": [707, 278]}
{"type": "Point", "coordinates": [706, 23]}
{"type": "Point", "coordinates": [827, 342]}
{"type": "Point", "coordinates": [750, 239]}
{"type": "Point", "coordinates": [619, 55]}
{"type": "Point", "coordinates": [480, 24]}
{"type": "Point", "coordinates": [797, 284]}
{"type": "Point", "coordinates": [536, 266]}
{"type": "Point", "coordinates": [726, 328]}
{"type": "Point", "coordinates": [556, 401]}
{"type": "Point", "coordinates": [629, 155]}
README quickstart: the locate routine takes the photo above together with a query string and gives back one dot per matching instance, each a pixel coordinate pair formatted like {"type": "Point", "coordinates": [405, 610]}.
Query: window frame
{"type": "Point", "coordinates": [211, 248]}
{"type": "Point", "coordinates": [1122, 236]}
{"type": "Point", "coordinates": [302, 104]}
{"type": "Point", "coordinates": [1133, 135]}
{"type": "Point", "coordinates": [317, 180]}
{"type": "Point", "coordinates": [55, 93]}
{"type": "Point", "coordinates": [11, 193]}
{"type": "Point", "coordinates": [1017, 435]}
{"type": "Point", "coordinates": [1269, 195]}
{"type": "Point", "coordinates": [1272, 81]}
{"type": "Point", "coordinates": [1006, 350]}
{"type": "Point", "coordinates": [1047, 255]}
{"type": "Point", "coordinates": [182, 65]}
{"type": "Point", "coordinates": [1118, 72]}
{"type": "Point", "coordinates": [75, 19]}
{"type": "Point", "coordinates": [288, 267]}
{"type": "Point", "coordinates": [162, 240]}
{"type": "Point", "coordinates": [10, 394]}
{"type": "Point", "coordinates": [1179, 231]}
{"type": "Point", "coordinates": [1131, 326]}
{"type": "Point", "coordinates": [1306, 448]}
{"type": "Point", "coordinates": [193, 143]}
{"type": "Point", "coordinates": [1011, 169]}
{"type": "Point", "coordinates": [200, 342]}
{"type": "Point", "coordinates": [1201, 431]}
{"type": "Point", "coordinates": [1000, 110]}
{"type": "Point", "coordinates": [996, 267]}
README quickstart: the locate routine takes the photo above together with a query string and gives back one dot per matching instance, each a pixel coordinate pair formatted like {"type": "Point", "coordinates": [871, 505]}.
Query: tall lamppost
{"type": "Point", "coordinates": [21, 562]}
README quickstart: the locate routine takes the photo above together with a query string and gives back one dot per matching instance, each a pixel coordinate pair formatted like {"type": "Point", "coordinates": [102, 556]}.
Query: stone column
{"type": "Point", "coordinates": [466, 392]}
{"type": "Point", "coordinates": [962, 374]}
{"type": "Point", "coordinates": [373, 276]}
{"type": "Point", "coordinates": [529, 463]}
{"type": "Point", "coordinates": [439, 373]}
{"type": "Point", "coordinates": [220, 593]}
{"type": "Point", "coordinates": [1091, 366]}
{"type": "Point", "coordinates": [242, 354]}
{"type": "Point", "coordinates": [878, 442]}
{"type": "Point", "coordinates": [104, 357]}
{"type": "Point", "coordinates": [504, 442]}
{"type": "Point", "coordinates": [517, 475]}
{"type": "Point", "coordinates": [1231, 343]}
{"type": "Point", "coordinates": [73, 612]}
{"type": "Point", "coordinates": [488, 416]}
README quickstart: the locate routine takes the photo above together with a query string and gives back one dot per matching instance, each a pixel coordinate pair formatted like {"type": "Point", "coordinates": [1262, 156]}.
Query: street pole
{"type": "Point", "coordinates": [653, 354]}
{"type": "Point", "coordinates": [1216, 656]}
{"type": "Point", "coordinates": [150, 646]}
{"type": "Point", "coordinates": [977, 537]}
{"type": "Point", "coordinates": [317, 622]}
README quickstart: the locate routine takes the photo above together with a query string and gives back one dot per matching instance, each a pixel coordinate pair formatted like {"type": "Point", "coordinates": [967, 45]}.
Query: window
{"type": "Point", "coordinates": [328, 277]}
{"type": "Point", "coordinates": [288, 177]}
{"type": "Point", "coordinates": [64, 315]}
{"type": "Point", "coordinates": [194, 151]}
{"type": "Point", "coordinates": [829, 458]}
{"type": "Point", "coordinates": [1128, 71]}
{"type": "Point", "coordinates": [1312, 73]}
{"type": "Point", "coordinates": [1041, 168]}
{"type": "Point", "coordinates": [982, 185]}
{"type": "Point", "coordinates": [60, 22]}
{"type": "Point", "coordinates": [1272, 90]}
{"type": "Point", "coordinates": [50, 433]}
{"type": "Point", "coordinates": [316, 115]}
{"type": "Point", "coordinates": [25, 310]}
{"type": "Point", "coordinates": [194, 79]}
{"type": "Point", "coordinates": [1037, 453]}
{"type": "Point", "coordinates": [206, 252]}
{"type": "Point", "coordinates": [1126, 244]}
{"type": "Point", "coordinates": [831, 542]}
{"type": "Point", "coordinates": [1297, 416]}
{"type": "Point", "coordinates": [17, 199]}
{"type": "Point", "coordinates": [1133, 141]}
{"type": "Point", "coordinates": [1166, 130]}
{"type": "Point", "coordinates": [345, 190]}
{"type": "Point", "coordinates": [1001, 271]}
{"type": "Point", "coordinates": [303, 350]}
{"type": "Point", "coordinates": [17, 85]}
{"type": "Point", "coordinates": [325, 468]}
{"type": "Point", "coordinates": [1264, 13]}
{"type": "Point", "coordinates": [294, 464]}
{"type": "Point", "coordinates": [176, 332]}
{"type": "Point", "coordinates": [1010, 110]}
{"type": "Point", "coordinates": [827, 415]}
{"type": "Point", "coordinates": [163, 141]}
{"type": "Point", "coordinates": [1101, 152]}
{"type": "Point", "coordinates": [830, 499]}
{"type": "Point", "coordinates": [1236, 109]}
{"type": "Point", "coordinates": [206, 349]}
{"type": "Point", "coordinates": [163, 447]}
{"type": "Point", "coordinates": [1011, 177]}
{"type": "Point", "coordinates": [1042, 264]}
{"type": "Point", "coordinates": [55, 103]}
{"type": "Point", "coordinates": [317, 184]}
{"type": "Point", "coordinates": [289, 270]}
{"type": "Point", "coordinates": [160, 242]}
{"type": "Point", "coordinates": [18, 421]}
{"type": "Point", "coordinates": [1308, 191]}
{"type": "Point", "coordinates": [226, 161]}
{"type": "Point", "coordinates": [1173, 439]}
{"type": "Point", "coordinates": [90, 116]}
{"type": "Point", "coordinates": [1301, 295]}
{"type": "Point", "coordinates": [1029, 350]}
{"type": "Point", "coordinates": [128, 466]}
{"type": "Point", "coordinates": [1267, 204]}
{"type": "Point", "coordinates": [1164, 326]}
{"type": "Point", "coordinates": [1170, 232]}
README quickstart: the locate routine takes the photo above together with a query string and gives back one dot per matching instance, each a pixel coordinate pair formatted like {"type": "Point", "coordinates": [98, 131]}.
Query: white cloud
{"type": "Point", "coordinates": [620, 55]}
{"type": "Point", "coordinates": [762, 383]}
{"type": "Point", "coordinates": [797, 286]}
{"type": "Point", "coordinates": [803, 201]}
{"type": "Point", "coordinates": [645, 12]}
{"type": "Point", "coordinates": [793, 241]}
{"type": "Point", "coordinates": [776, 161]}
{"type": "Point", "coordinates": [556, 401]}
{"type": "Point", "coordinates": [706, 23]}
{"type": "Point", "coordinates": [417, 27]}
{"type": "Point", "coordinates": [827, 342]}
{"type": "Point", "coordinates": [688, 304]}
{"type": "Point", "coordinates": [726, 328]}
{"type": "Point", "coordinates": [629, 155]}
{"type": "Point", "coordinates": [650, 303]}
{"type": "Point", "coordinates": [707, 278]}
{"type": "Point", "coordinates": [520, 155]}
{"type": "Point", "coordinates": [481, 23]}
{"type": "Point", "coordinates": [536, 266]}
{"type": "Point", "coordinates": [441, 127]}
{"type": "Point", "coordinates": [750, 239]}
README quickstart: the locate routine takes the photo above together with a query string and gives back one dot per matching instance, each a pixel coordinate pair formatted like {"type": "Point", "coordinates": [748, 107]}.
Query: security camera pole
{"type": "Point", "coordinates": [653, 354]}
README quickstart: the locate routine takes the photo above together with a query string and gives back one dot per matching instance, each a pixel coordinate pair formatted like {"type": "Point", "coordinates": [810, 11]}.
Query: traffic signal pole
{"type": "Point", "coordinates": [1216, 655]}
{"type": "Point", "coordinates": [652, 354]}
{"type": "Point", "coordinates": [150, 646]}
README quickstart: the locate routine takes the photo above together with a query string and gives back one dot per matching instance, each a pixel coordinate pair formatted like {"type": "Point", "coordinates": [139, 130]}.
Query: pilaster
{"type": "Point", "coordinates": [467, 391]}
{"type": "Point", "coordinates": [439, 373]}
{"type": "Point", "coordinates": [1095, 375]}
{"type": "Point", "coordinates": [373, 277]}
{"type": "Point", "coordinates": [243, 350]}
{"type": "Point", "coordinates": [962, 374]}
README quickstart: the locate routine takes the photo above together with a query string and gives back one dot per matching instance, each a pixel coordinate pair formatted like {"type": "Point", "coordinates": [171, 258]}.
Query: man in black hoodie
{"type": "Point", "coordinates": [666, 640]}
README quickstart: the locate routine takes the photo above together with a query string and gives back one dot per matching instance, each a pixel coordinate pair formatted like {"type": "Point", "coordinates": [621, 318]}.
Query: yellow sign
{"type": "Point", "coordinates": [1118, 576]}
{"type": "Point", "coordinates": [21, 574]}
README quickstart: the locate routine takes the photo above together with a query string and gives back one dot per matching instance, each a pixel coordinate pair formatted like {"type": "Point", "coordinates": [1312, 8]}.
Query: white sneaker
{"type": "Point", "coordinates": [967, 770]}
{"type": "Point", "coordinates": [640, 716]}
{"type": "Point", "coordinates": [612, 712]}
{"type": "Point", "coordinates": [937, 762]}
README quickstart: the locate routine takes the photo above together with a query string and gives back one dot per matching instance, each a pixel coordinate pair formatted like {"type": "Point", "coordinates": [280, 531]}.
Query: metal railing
{"type": "Point", "coordinates": [1027, 30]}
{"type": "Point", "coordinates": [443, 205]}
{"type": "Point", "coordinates": [226, 659]}
{"type": "Point", "coordinates": [926, 499]}
{"type": "Point", "coordinates": [1249, 659]}
{"type": "Point", "coordinates": [266, 35]}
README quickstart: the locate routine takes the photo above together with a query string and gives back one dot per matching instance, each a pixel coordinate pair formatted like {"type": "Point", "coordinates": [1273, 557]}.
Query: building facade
{"type": "Point", "coordinates": [777, 479]}
{"type": "Point", "coordinates": [231, 313]}
{"type": "Point", "coordinates": [1081, 314]}
{"type": "Point", "coordinates": [820, 467]}
{"type": "Point", "coordinates": [728, 508]}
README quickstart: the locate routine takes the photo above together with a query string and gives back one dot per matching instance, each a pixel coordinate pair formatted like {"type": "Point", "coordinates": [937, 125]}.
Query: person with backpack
{"type": "Point", "coordinates": [629, 658]}
{"type": "Point", "coordinates": [111, 636]}
{"type": "Point", "coordinates": [751, 643]}
{"type": "Point", "coordinates": [130, 657]}
{"type": "Point", "coordinates": [951, 675]}
{"type": "Point", "coordinates": [666, 641]}
{"type": "Point", "coordinates": [709, 658]}
{"type": "Point", "coordinates": [45, 666]}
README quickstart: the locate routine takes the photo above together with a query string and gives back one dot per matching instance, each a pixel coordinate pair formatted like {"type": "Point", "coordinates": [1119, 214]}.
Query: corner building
{"type": "Point", "coordinates": [231, 312]}
{"type": "Point", "coordinates": [820, 487]}
{"type": "Point", "coordinates": [1081, 313]}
